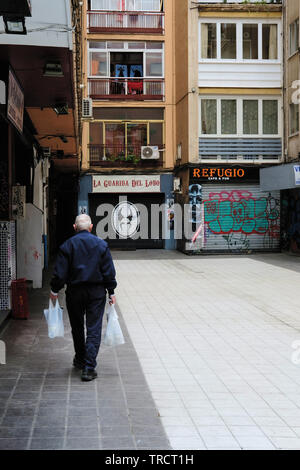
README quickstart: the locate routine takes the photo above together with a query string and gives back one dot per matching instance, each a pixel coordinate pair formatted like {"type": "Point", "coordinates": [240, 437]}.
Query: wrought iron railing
{"type": "Point", "coordinates": [121, 155]}
{"type": "Point", "coordinates": [126, 88]}
{"type": "Point", "coordinates": [125, 21]}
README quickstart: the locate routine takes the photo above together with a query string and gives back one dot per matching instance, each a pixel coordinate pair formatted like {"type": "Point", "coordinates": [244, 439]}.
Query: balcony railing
{"type": "Point", "coordinates": [126, 88]}
{"type": "Point", "coordinates": [125, 22]}
{"type": "Point", "coordinates": [112, 156]}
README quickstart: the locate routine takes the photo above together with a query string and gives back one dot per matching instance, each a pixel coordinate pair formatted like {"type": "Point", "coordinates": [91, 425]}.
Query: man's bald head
{"type": "Point", "coordinates": [83, 222]}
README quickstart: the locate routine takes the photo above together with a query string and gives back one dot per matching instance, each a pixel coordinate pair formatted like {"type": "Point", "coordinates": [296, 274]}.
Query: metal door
{"type": "Point", "coordinates": [126, 221]}
{"type": "Point", "coordinates": [240, 218]}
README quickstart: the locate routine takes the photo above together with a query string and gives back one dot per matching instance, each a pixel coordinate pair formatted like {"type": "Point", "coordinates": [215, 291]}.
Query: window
{"type": "Point", "coordinates": [270, 117]}
{"type": "Point", "coordinates": [98, 64]}
{"type": "Point", "coordinates": [209, 40]}
{"type": "Point", "coordinates": [239, 116]}
{"type": "Point", "coordinates": [209, 116]}
{"type": "Point", "coordinates": [250, 41]}
{"type": "Point", "coordinates": [228, 117]}
{"type": "Point", "coordinates": [250, 117]}
{"type": "Point", "coordinates": [119, 140]}
{"type": "Point", "coordinates": [126, 5]}
{"type": "Point", "coordinates": [294, 118]}
{"type": "Point", "coordinates": [269, 40]}
{"type": "Point", "coordinates": [294, 37]}
{"type": "Point", "coordinates": [126, 59]}
{"type": "Point", "coordinates": [241, 40]}
{"type": "Point", "coordinates": [154, 64]}
{"type": "Point", "coordinates": [228, 41]}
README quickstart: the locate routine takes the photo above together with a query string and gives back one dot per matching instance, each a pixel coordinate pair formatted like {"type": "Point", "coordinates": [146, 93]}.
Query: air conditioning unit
{"type": "Point", "coordinates": [149, 153]}
{"type": "Point", "coordinates": [87, 108]}
{"type": "Point", "coordinates": [46, 152]}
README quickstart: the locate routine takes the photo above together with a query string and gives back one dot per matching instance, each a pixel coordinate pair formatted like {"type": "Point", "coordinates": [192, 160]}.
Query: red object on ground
{"type": "Point", "coordinates": [19, 298]}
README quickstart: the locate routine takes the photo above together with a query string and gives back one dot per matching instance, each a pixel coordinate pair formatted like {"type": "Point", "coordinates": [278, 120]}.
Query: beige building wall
{"type": "Point", "coordinates": [291, 75]}
{"type": "Point", "coordinates": [169, 104]}
{"type": "Point", "coordinates": [186, 56]}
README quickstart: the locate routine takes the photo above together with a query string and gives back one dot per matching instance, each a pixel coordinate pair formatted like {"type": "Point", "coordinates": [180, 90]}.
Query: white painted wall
{"type": "Point", "coordinates": [237, 75]}
{"type": "Point", "coordinates": [30, 249]}
{"type": "Point", "coordinates": [50, 25]}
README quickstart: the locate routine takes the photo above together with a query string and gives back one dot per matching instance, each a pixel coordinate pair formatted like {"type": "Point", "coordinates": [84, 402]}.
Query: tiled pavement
{"type": "Point", "coordinates": [215, 336]}
{"type": "Point", "coordinates": [210, 365]}
{"type": "Point", "coordinates": [44, 404]}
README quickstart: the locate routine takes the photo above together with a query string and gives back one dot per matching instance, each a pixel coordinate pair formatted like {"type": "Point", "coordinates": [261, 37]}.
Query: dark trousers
{"type": "Point", "coordinates": [89, 302]}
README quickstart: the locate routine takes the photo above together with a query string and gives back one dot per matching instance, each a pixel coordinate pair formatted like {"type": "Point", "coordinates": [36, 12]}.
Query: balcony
{"type": "Point", "coordinates": [116, 156]}
{"type": "Point", "coordinates": [230, 149]}
{"type": "Point", "coordinates": [125, 22]}
{"type": "Point", "coordinates": [137, 89]}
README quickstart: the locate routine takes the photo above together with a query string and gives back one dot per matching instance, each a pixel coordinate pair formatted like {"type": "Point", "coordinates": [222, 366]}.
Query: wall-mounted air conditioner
{"type": "Point", "coordinates": [87, 108]}
{"type": "Point", "coordinates": [149, 153]}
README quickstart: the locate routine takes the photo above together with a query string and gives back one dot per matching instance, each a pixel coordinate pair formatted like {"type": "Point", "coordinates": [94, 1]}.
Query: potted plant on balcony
{"type": "Point", "coordinates": [132, 159]}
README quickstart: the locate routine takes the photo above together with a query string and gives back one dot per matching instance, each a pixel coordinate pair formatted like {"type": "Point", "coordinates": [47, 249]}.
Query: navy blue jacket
{"type": "Point", "coordinates": [84, 259]}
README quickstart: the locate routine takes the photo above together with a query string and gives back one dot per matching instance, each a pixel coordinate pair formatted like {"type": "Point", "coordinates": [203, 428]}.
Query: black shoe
{"type": "Point", "coordinates": [78, 364]}
{"type": "Point", "coordinates": [88, 374]}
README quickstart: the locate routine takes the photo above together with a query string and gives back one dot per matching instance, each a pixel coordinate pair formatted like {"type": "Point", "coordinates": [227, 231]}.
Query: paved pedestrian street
{"type": "Point", "coordinates": [211, 361]}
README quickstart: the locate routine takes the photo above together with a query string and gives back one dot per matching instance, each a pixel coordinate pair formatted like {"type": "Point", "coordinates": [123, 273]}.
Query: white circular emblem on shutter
{"type": "Point", "coordinates": [125, 219]}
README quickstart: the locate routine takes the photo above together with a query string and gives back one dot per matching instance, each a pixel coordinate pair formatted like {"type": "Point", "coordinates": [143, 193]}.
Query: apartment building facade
{"type": "Point", "coordinates": [229, 122]}
{"type": "Point", "coordinates": [286, 177]}
{"type": "Point", "coordinates": [128, 127]}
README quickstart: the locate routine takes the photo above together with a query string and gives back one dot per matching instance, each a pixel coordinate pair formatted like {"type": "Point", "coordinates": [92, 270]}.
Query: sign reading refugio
{"type": "Point", "coordinates": [126, 184]}
{"type": "Point", "coordinates": [219, 174]}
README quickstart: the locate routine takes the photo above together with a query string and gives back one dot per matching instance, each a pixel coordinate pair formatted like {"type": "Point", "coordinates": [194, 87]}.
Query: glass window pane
{"type": "Point", "coordinates": [96, 133]}
{"type": "Point", "coordinates": [136, 138]}
{"type": "Point", "coordinates": [209, 116]}
{"type": "Point", "coordinates": [97, 45]}
{"type": "Point", "coordinates": [228, 117]}
{"type": "Point", "coordinates": [106, 4]}
{"type": "Point", "coordinates": [270, 49]}
{"type": "Point", "coordinates": [98, 64]}
{"type": "Point", "coordinates": [209, 40]}
{"type": "Point", "coordinates": [154, 64]}
{"type": "Point", "coordinates": [270, 117]}
{"type": "Point", "coordinates": [114, 140]}
{"type": "Point", "coordinates": [228, 41]}
{"type": "Point", "coordinates": [156, 133]}
{"type": "Point", "coordinates": [250, 41]}
{"type": "Point", "coordinates": [250, 117]}
{"type": "Point", "coordinates": [147, 5]}
{"type": "Point", "coordinates": [154, 45]}
{"type": "Point", "coordinates": [139, 45]}
{"type": "Point", "coordinates": [294, 36]}
{"type": "Point", "coordinates": [294, 118]}
{"type": "Point", "coordinates": [115, 45]}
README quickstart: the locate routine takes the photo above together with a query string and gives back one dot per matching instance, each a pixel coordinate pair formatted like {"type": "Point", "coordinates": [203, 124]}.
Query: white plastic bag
{"type": "Point", "coordinates": [113, 335]}
{"type": "Point", "coordinates": [54, 318]}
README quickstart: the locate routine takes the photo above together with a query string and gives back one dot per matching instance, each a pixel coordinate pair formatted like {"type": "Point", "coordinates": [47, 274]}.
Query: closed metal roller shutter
{"type": "Point", "coordinates": [240, 218]}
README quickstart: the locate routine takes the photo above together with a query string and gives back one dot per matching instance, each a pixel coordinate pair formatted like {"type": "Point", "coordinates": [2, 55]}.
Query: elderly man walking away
{"type": "Point", "coordinates": [85, 265]}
